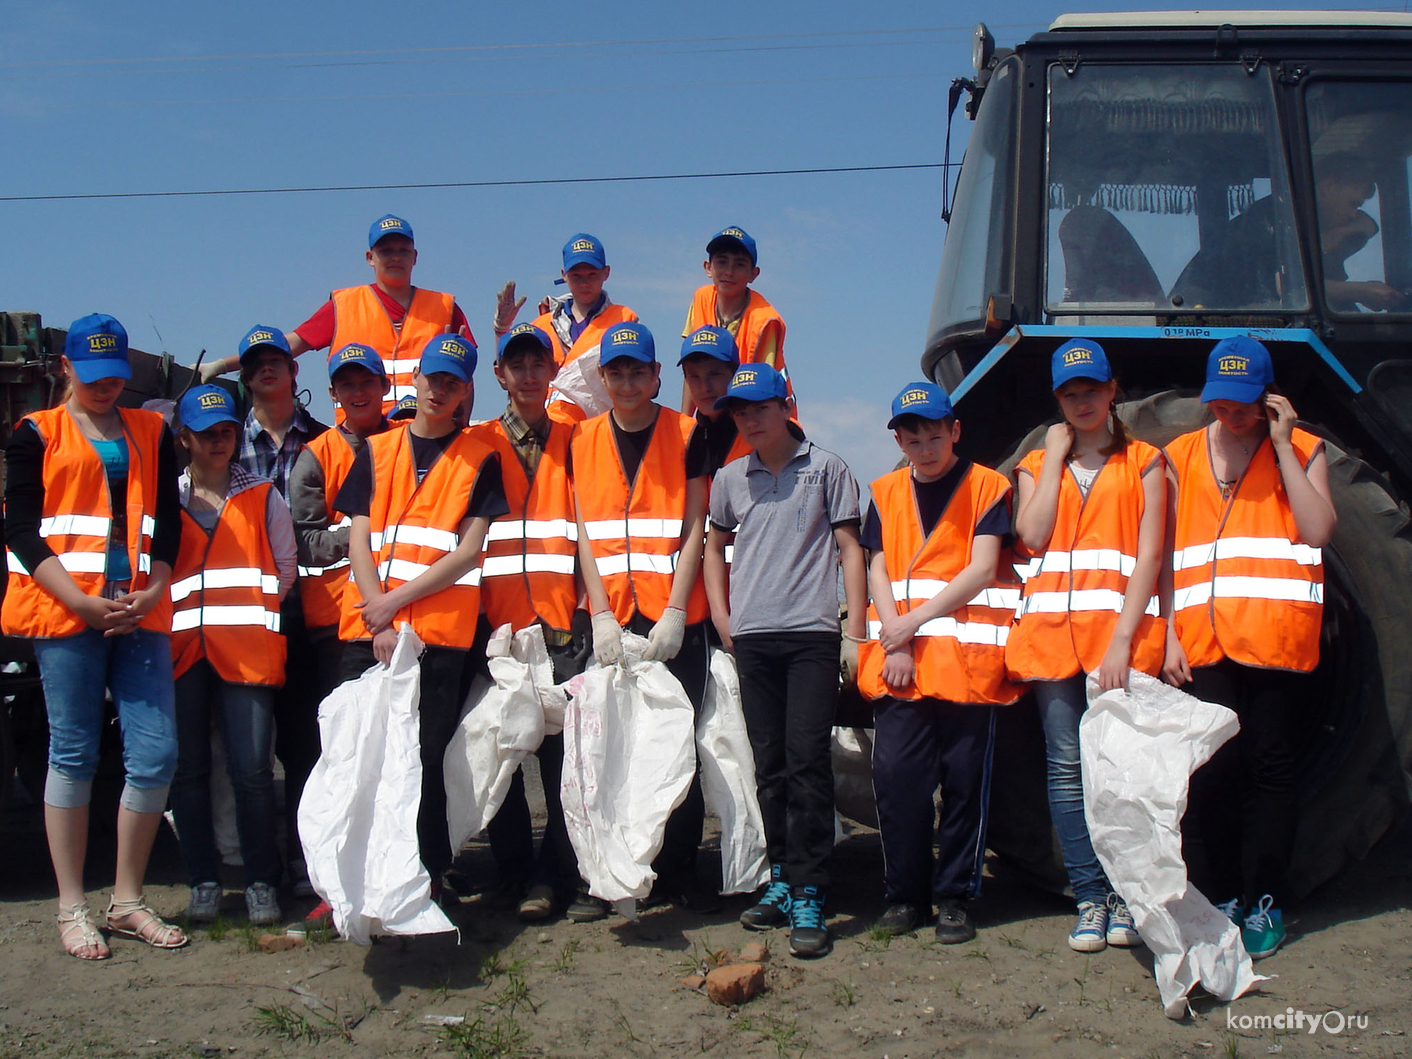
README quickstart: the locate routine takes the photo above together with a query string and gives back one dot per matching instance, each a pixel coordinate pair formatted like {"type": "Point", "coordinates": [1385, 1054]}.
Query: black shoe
{"type": "Point", "coordinates": [953, 922]}
{"type": "Point", "coordinates": [585, 908]}
{"type": "Point", "coordinates": [899, 919]}
{"type": "Point", "coordinates": [687, 895]}
{"type": "Point", "coordinates": [808, 930]}
{"type": "Point", "coordinates": [772, 910]}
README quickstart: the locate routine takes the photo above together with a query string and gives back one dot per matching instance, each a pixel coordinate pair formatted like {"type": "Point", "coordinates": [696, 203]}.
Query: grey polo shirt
{"type": "Point", "coordinates": [784, 573]}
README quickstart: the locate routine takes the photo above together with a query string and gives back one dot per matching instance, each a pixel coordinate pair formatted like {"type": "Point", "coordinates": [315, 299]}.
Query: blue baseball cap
{"type": "Point", "coordinates": [1238, 369]}
{"type": "Point", "coordinates": [388, 225]}
{"type": "Point", "coordinates": [754, 382]}
{"type": "Point", "coordinates": [449, 353]}
{"type": "Point", "coordinates": [353, 353]}
{"type": "Point", "coordinates": [627, 340]}
{"type": "Point", "coordinates": [1079, 358]}
{"type": "Point", "coordinates": [202, 407]}
{"type": "Point", "coordinates": [263, 335]}
{"type": "Point", "coordinates": [733, 238]}
{"type": "Point", "coordinates": [522, 335]}
{"type": "Point", "coordinates": [404, 409]}
{"type": "Point", "coordinates": [96, 345]}
{"type": "Point", "coordinates": [713, 341]}
{"type": "Point", "coordinates": [925, 399]}
{"type": "Point", "coordinates": [584, 249]}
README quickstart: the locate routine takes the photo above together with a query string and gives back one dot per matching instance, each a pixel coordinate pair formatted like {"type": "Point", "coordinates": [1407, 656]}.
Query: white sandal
{"type": "Point", "coordinates": [78, 934]}
{"type": "Point", "coordinates": [152, 928]}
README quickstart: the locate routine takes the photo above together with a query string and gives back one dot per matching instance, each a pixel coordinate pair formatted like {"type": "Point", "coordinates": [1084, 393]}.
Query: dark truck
{"type": "Point", "coordinates": [29, 380]}
{"type": "Point", "coordinates": [1158, 181]}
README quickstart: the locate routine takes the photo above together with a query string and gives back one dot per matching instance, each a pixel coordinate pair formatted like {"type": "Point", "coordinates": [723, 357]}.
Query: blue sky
{"type": "Point", "coordinates": [145, 96]}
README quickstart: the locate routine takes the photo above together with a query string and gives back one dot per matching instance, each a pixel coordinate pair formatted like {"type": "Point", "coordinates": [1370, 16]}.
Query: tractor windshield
{"type": "Point", "coordinates": [1167, 191]}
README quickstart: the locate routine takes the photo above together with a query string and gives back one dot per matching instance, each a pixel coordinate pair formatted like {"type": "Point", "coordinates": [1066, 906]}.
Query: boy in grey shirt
{"type": "Point", "coordinates": [794, 510]}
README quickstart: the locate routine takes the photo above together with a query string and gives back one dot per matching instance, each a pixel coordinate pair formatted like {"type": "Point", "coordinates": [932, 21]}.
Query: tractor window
{"type": "Point", "coordinates": [1360, 138]}
{"type": "Point", "coordinates": [1167, 192]}
{"type": "Point", "coordinates": [975, 258]}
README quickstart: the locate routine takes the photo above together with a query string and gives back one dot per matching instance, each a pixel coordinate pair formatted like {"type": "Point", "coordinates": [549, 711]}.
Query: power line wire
{"type": "Point", "coordinates": [475, 183]}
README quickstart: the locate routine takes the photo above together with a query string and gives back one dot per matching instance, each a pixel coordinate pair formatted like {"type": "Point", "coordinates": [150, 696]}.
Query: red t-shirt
{"type": "Point", "coordinates": [317, 331]}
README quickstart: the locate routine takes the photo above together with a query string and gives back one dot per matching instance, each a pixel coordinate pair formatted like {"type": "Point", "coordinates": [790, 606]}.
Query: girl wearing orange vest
{"type": "Point", "coordinates": [1089, 516]}
{"type": "Point", "coordinates": [236, 564]}
{"type": "Point", "coordinates": [1253, 513]}
{"type": "Point", "coordinates": [88, 586]}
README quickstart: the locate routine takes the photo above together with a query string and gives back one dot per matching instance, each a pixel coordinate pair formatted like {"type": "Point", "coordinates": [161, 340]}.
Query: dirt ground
{"type": "Point", "coordinates": [614, 988]}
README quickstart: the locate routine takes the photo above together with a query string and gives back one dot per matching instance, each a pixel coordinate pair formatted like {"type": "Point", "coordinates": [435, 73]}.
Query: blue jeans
{"type": "Point", "coordinates": [1061, 705]}
{"type": "Point", "coordinates": [245, 716]}
{"type": "Point", "coordinates": [76, 671]}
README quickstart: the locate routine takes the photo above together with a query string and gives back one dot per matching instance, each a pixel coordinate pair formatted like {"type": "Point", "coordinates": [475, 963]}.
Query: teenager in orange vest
{"type": "Point", "coordinates": [934, 661]}
{"type": "Point", "coordinates": [639, 475]}
{"type": "Point", "coordinates": [1253, 512]}
{"type": "Point", "coordinates": [1089, 515]}
{"type": "Point", "coordinates": [732, 264]}
{"type": "Point", "coordinates": [236, 563]}
{"type": "Point", "coordinates": [426, 493]}
{"type": "Point", "coordinates": [529, 577]}
{"type": "Point", "coordinates": [88, 587]}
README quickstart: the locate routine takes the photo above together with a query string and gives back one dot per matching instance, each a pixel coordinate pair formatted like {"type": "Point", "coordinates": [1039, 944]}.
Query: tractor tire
{"type": "Point", "coordinates": [1356, 723]}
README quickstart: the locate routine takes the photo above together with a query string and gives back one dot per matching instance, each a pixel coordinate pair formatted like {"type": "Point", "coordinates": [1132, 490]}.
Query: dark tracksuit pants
{"type": "Point", "coordinates": [1244, 806]}
{"type": "Point", "coordinates": [446, 679]}
{"type": "Point", "coordinates": [919, 745]}
{"type": "Point", "coordinates": [788, 691]}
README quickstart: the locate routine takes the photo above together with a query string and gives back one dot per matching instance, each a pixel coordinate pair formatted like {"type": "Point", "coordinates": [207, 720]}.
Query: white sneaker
{"type": "Point", "coordinates": [1122, 930]}
{"type": "Point", "coordinates": [205, 904]}
{"type": "Point", "coordinates": [261, 905]}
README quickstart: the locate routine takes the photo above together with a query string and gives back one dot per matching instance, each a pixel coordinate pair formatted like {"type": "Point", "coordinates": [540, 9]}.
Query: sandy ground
{"type": "Point", "coordinates": [613, 988]}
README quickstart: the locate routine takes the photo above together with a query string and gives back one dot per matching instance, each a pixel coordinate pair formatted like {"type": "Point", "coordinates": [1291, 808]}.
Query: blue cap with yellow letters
{"type": "Point", "coordinates": [202, 407]}
{"type": "Point", "coordinates": [925, 399]}
{"type": "Point", "coordinates": [523, 335]}
{"type": "Point", "coordinates": [263, 335]}
{"type": "Point", "coordinates": [404, 409]}
{"type": "Point", "coordinates": [388, 225]}
{"type": "Point", "coordinates": [449, 353]}
{"type": "Point", "coordinates": [754, 382]}
{"type": "Point", "coordinates": [96, 346]}
{"type": "Point", "coordinates": [584, 249]}
{"type": "Point", "coordinates": [627, 340]}
{"type": "Point", "coordinates": [1079, 358]}
{"type": "Point", "coordinates": [733, 238]}
{"type": "Point", "coordinates": [1238, 369]}
{"type": "Point", "coordinates": [713, 341]}
{"type": "Point", "coordinates": [354, 353]}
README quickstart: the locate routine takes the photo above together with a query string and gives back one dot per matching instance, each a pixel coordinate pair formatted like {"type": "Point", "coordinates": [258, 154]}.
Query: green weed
{"type": "Point", "coordinates": [484, 1038]}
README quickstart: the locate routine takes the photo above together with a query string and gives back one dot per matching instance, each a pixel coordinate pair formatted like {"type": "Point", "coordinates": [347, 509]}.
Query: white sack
{"type": "Point", "coordinates": [578, 381]}
{"type": "Point", "coordinates": [1138, 749]}
{"type": "Point", "coordinates": [629, 756]}
{"type": "Point", "coordinates": [728, 779]}
{"type": "Point", "coordinates": [358, 815]}
{"type": "Point", "coordinates": [503, 723]}
{"type": "Point", "coordinates": [851, 750]}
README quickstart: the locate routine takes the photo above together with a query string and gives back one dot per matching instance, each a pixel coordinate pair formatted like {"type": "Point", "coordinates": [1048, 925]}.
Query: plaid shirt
{"type": "Point", "coordinates": [527, 441]}
{"type": "Point", "coordinates": [258, 454]}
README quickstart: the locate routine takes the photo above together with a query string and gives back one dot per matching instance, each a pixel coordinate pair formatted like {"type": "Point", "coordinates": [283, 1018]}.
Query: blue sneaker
{"type": "Point", "coordinates": [1264, 929]}
{"type": "Point", "coordinates": [1231, 910]}
{"type": "Point", "coordinates": [808, 932]}
{"type": "Point", "coordinates": [1122, 928]}
{"type": "Point", "coordinates": [1090, 933]}
{"type": "Point", "coordinates": [772, 910]}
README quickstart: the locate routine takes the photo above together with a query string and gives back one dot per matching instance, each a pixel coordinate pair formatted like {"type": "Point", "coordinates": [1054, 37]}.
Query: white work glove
{"type": "Point", "coordinates": [848, 658]}
{"type": "Point", "coordinates": [607, 638]}
{"type": "Point", "coordinates": [664, 641]}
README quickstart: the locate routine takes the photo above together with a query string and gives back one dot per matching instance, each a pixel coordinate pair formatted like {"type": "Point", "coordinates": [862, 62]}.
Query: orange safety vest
{"type": "Point", "coordinates": [225, 594]}
{"type": "Point", "coordinates": [757, 316]}
{"type": "Point", "coordinates": [360, 316]}
{"type": "Point", "coordinates": [1074, 591]}
{"type": "Point", "coordinates": [321, 587]}
{"type": "Point", "coordinates": [1245, 587]}
{"type": "Point", "coordinates": [561, 408]}
{"type": "Point", "coordinates": [77, 518]}
{"type": "Point", "coordinates": [636, 530]}
{"type": "Point", "coordinates": [415, 525]}
{"type": "Point", "coordinates": [960, 656]}
{"type": "Point", "coordinates": [527, 571]}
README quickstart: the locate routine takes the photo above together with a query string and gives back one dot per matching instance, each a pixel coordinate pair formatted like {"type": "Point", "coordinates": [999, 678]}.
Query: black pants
{"type": "Point", "coordinates": [788, 690]}
{"type": "Point", "coordinates": [446, 679]}
{"type": "Point", "coordinates": [919, 745]}
{"type": "Point", "coordinates": [296, 712]}
{"type": "Point", "coordinates": [1243, 807]}
{"type": "Point", "coordinates": [676, 864]}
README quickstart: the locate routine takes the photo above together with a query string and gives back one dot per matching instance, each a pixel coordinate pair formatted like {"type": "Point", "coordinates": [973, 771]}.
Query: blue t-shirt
{"type": "Point", "coordinates": [114, 457]}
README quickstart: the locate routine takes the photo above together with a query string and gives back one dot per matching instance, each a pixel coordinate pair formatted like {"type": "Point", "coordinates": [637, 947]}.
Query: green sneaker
{"type": "Point", "coordinates": [1264, 929]}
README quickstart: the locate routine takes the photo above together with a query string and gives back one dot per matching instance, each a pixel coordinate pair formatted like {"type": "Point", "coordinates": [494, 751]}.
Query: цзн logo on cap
{"type": "Point", "coordinates": [1078, 355]}
{"type": "Point", "coordinates": [1234, 366]}
{"type": "Point", "coordinates": [914, 397]}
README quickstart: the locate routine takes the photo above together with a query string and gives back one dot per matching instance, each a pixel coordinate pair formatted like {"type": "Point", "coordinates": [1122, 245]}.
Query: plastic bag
{"type": "Point", "coordinates": [1138, 749]}
{"type": "Point", "coordinates": [503, 724]}
{"type": "Point", "coordinates": [629, 757]}
{"type": "Point", "coordinates": [358, 814]}
{"type": "Point", "coordinates": [852, 754]}
{"type": "Point", "coordinates": [728, 779]}
{"type": "Point", "coordinates": [578, 381]}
